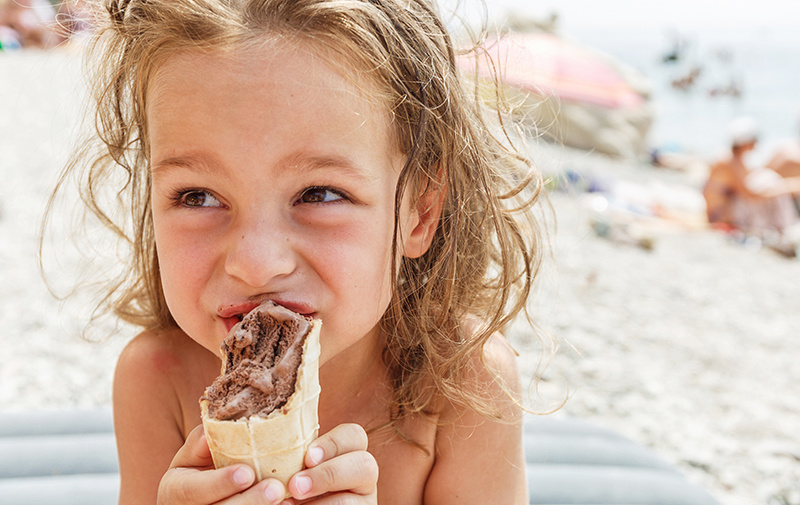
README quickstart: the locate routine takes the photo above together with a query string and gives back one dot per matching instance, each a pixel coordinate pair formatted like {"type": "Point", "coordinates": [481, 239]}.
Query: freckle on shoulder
{"type": "Point", "coordinates": [157, 351]}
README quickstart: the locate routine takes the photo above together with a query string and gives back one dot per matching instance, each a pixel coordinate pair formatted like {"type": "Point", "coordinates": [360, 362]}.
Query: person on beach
{"type": "Point", "coordinates": [325, 155]}
{"type": "Point", "coordinates": [754, 201]}
{"type": "Point", "coordinates": [32, 22]}
{"type": "Point", "coordinates": [786, 160]}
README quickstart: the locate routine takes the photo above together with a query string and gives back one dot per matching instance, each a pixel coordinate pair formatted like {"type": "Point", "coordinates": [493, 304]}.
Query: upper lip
{"type": "Point", "coordinates": [236, 310]}
{"type": "Point", "coordinates": [240, 309]}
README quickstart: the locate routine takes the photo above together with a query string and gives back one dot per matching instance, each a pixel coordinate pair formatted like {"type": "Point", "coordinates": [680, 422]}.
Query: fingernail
{"type": "Point", "coordinates": [242, 476]}
{"type": "Point", "coordinates": [316, 454]}
{"type": "Point", "coordinates": [303, 484]}
{"type": "Point", "coordinates": [273, 492]}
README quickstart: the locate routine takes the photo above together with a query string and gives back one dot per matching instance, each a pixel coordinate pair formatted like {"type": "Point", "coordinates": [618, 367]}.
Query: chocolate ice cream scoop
{"type": "Point", "coordinates": [261, 356]}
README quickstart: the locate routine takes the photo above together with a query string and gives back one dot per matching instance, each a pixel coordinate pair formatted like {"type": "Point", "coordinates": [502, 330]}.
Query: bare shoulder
{"type": "Point", "coordinates": [479, 457]}
{"type": "Point", "coordinates": [159, 378]}
{"type": "Point", "coordinates": [148, 352]}
{"type": "Point", "coordinates": [165, 370]}
{"type": "Point", "coordinates": [497, 361]}
{"type": "Point", "coordinates": [719, 166]}
{"type": "Point", "coordinates": [144, 366]}
{"type": "Point", "coordinates": [501, 356]}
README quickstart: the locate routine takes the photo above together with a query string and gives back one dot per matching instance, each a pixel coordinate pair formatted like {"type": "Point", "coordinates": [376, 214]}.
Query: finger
{"type": "Point", "coordinates": [340, 440]}
{"type": "Point", "coordinates": [356, 472]}
{"type": "Point", "coordinates": [192, 479]}
{"type": "Point", "coordinates": [273, 490]}
{"type": "Point", "coordinates": [338, 499]}
{"type": "Point", "coordinates": [194, 453]}
{"type": "Point", "coordinates": [190, 485]}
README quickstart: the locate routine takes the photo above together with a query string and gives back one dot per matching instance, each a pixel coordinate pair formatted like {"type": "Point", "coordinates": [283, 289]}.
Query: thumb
{"type": "Point", "coordinates": [195, 452]}
{"type": "Point", "coordinates": [191, 478]}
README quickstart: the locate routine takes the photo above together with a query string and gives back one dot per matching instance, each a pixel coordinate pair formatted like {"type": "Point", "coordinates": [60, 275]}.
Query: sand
{"type": "Point", "coordinates": [689, 347]}
{"type": "Point", "coordinates": [45, 363]}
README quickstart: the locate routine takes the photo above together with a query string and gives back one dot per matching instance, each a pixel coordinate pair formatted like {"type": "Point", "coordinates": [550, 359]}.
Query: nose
{"type": "Point", "coordinates": [259, 252]}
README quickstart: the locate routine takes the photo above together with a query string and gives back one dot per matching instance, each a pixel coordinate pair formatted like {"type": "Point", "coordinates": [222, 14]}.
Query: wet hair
{"type": "Point", "coordinates": [487, 245]}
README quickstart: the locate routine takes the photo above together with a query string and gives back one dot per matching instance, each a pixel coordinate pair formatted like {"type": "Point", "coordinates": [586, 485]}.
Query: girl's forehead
{"type": "Point", "coordinates": [245, 101]}
{"type": "Point", "coordinates": [256, 58]}
{"type": "Point", "coordinates": [289, 64]}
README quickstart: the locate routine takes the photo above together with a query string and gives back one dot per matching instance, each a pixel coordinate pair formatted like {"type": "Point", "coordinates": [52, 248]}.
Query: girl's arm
{"type": "Point", "coordinates": [146, 416]}
{"type": "Point", "coordinates": [158, 380]}
{"type": "Point", "coordinates": [479, 460]}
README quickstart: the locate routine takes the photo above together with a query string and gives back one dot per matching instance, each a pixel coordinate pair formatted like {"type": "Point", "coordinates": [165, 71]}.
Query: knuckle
{"type": "Point", "coordinates": [335, 446]}
{"type": "Point", "coordinates": [361, 439]}
{"type": "Point", "coordinates": [184, 494]}
{"type": "Point", "coordinates": [329, 475]}
{"type": "Point", "coordinates": [370, 464]}
{"type": "Point", "coordinates": [170, 491]}
{"type": "Point", "coordinates": [364, 459]}
{"type": "Point", "coordinates": [352, 437]}
{"type": "Point", "coordinates": [346, 438]}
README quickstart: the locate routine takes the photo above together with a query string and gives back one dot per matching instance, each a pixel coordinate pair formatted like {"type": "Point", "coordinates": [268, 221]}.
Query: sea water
{"type": "Point", "coordinates": [752, 43]}
{"type": "Point", "coordinates": [763, 63]}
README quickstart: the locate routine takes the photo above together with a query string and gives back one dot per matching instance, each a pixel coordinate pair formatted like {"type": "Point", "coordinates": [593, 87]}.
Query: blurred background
{"type": "Point", "coordinates": [745, 54]}
{"type": "Point", "coordinates": [679, 335]}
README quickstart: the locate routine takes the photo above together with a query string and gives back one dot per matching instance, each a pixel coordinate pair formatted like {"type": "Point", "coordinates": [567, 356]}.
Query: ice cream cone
{"type": "Point", "coordinates": [275, 445]}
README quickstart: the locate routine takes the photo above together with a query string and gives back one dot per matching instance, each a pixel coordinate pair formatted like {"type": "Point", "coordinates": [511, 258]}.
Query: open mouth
{"type": "Point", "coordinates": [233, 314]}
{"type": "Point", "coordinates": [232, 321]}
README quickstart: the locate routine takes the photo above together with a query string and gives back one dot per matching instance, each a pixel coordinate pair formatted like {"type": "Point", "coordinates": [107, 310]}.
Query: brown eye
{"type": "Point", "coordinates": [200, 199]}
{"type": "Point", "coordinates": [320, 195]}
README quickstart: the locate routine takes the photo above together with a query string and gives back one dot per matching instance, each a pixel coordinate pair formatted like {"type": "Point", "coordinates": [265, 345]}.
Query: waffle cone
{"type": "Point", "coordinates": [274, 446]}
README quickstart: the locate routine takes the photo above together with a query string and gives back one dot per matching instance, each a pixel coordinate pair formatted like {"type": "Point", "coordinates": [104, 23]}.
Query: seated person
{"type": "Point", "coordinates": [786, 161]}
{"type": "Point", "coordinates": [32, 22]}
{"type": "Point", "coordinates": [756, 201]}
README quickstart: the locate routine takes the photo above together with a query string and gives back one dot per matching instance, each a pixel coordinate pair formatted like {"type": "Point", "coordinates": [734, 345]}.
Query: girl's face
{"type": "Point", "coordinates": [273, 178]}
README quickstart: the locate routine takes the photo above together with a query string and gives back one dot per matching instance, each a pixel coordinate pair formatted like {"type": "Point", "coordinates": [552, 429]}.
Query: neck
{"type": "Point", "coordinates": [354, 386]}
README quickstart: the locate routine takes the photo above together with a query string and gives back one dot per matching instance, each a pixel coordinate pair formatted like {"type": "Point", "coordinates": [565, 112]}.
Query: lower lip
{"type": "Point", "coordinates": [230, 322]}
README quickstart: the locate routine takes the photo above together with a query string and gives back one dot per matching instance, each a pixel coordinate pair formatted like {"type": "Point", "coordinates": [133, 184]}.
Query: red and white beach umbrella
{"type": "Point", "coordinates": [548, 65]}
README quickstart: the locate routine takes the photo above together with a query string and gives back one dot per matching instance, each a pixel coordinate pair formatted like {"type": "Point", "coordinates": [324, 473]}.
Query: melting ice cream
{"type": "Point", "coordinates": [262, 354]}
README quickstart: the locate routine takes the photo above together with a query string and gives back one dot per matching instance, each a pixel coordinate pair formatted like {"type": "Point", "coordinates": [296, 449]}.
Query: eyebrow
{"type": "Point", "coordinates": [306, 163]}
{"type": "Point", "coordinates": [297, 162]}
{"type": "Point", "coordinates": [192, 162]}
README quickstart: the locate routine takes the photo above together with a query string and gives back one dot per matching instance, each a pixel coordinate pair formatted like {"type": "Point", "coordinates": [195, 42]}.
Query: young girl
{"type": "Point", "coordinates": [326, 155]}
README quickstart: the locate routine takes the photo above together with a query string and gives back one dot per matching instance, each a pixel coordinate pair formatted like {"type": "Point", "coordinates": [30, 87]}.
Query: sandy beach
{"type": "Point", "coordinates": [669, 333]}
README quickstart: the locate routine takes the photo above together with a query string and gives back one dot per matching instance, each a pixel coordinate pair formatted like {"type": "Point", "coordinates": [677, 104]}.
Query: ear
{"type": "Point", "coordinates": [424, 221]}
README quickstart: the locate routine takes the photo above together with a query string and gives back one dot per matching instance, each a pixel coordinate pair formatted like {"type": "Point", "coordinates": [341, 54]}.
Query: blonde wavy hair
{"type": "Point", "coordinates": [487, 247]}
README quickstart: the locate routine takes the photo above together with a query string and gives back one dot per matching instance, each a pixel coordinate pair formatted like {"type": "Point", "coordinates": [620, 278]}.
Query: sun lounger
{"type": "Point", "coordinates": [573, 462]}
{"type": "Point", "coordinates": [65, 457]}
{"type": "Point", "coordinates": [69, 457]}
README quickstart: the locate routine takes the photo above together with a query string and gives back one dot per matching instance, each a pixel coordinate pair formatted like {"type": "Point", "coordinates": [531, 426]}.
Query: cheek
{"type": "Point", "coordinates": [183, 269]}
{"type": "Point", "coordinates": [355, 259]}
{"type": "Point", "coordinates": [184, 275]}
{"type": "Point", "coordinates": [180, 265]}
{"type": "Point", "coordinates": [366, 248]}
{"type": "Point", "coordinates": [371, 273]}
{"type": "Point", "coordinates": [171, 273]}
